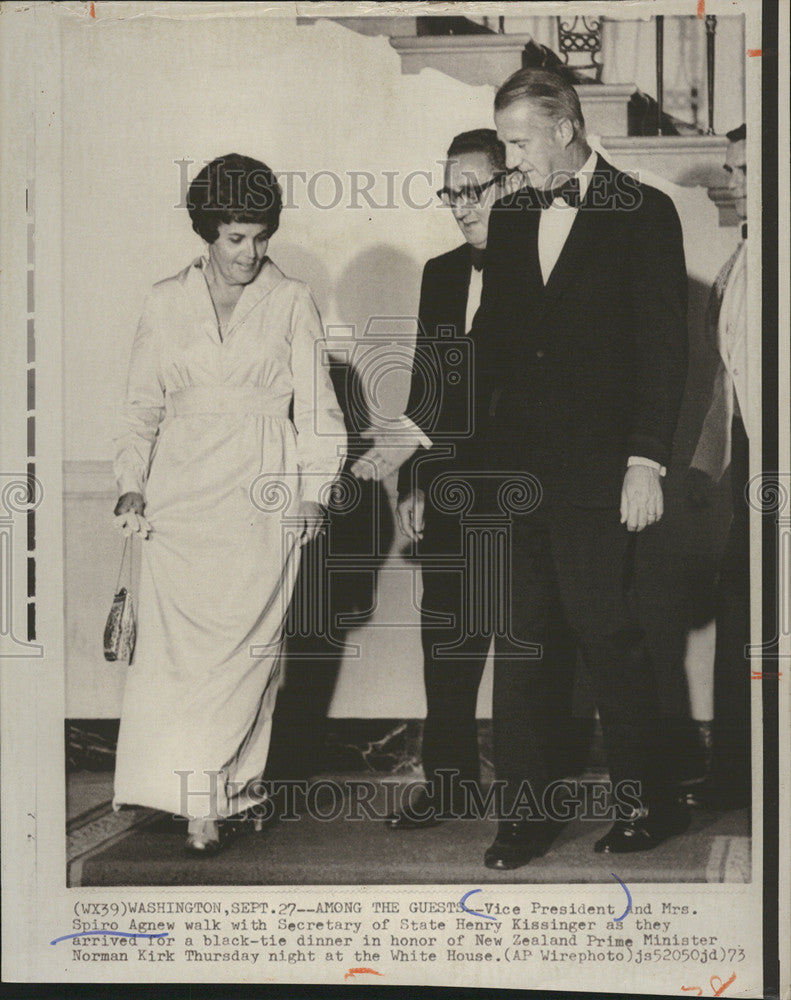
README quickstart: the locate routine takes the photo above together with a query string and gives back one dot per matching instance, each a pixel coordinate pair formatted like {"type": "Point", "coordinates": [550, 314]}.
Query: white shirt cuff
{"type": "Point", "coordinates": [128, 483]}
{"type": "Point", "coordinates": [637, 460]}
{"type": "Point", "coordinates": [410, 425]}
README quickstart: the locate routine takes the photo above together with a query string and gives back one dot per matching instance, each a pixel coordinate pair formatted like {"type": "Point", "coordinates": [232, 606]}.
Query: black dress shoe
{"type": "Point", "coordinates": [515, 845]}
{"type": "Point", "coordinates": [421, 816]}
{"type": "Point", "coordinates": [645, 830]}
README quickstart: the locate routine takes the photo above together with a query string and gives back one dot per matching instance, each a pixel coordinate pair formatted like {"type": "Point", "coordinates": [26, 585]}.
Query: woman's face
{"type": "Point", "coordinates": [238, 251]}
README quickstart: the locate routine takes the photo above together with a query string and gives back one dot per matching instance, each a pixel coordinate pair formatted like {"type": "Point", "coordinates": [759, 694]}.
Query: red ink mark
{"type": "Point", "coordinates": [718, 991]}
{"type": "Point", "coordinates": [701, 8]}
{"type": "Point", "coordinates": [766, 675]}
{"type": "Point", "coordinates": [754, 52]}
{"type": "Point", "coordinates": [371, 972]}
{"type": "Point", "coordinates": [93, 11]}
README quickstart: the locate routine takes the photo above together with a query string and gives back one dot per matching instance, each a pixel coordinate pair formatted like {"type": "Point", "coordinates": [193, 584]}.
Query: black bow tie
{"type": "Point", "coordinates": [543, 198]}
{"type": "Point", "coordinates": [478, 257]}
{"type": "Point", "coordinates": [569, 192]}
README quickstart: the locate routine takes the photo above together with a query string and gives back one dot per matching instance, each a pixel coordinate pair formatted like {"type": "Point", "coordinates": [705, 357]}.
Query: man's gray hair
{"type": "Point", "coordinates": [556, 97]}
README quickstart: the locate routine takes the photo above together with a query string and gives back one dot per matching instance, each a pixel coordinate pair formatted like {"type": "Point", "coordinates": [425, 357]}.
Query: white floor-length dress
{"type": "Point", "coordinates": [209, 443]}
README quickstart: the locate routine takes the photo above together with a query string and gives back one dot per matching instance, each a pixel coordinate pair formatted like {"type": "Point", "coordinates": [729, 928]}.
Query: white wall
{"type": "Point", "coordinates": [141, 95]}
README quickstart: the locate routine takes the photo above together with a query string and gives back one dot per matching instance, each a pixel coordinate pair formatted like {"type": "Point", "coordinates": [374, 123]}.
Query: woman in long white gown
{"type": "Point", "coordinates": [230, 413]}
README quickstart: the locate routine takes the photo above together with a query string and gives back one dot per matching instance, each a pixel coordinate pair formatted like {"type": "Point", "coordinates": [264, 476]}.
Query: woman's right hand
{"type": "Point", "coordinates": [130, 502]}
{"type": "Point", "coordinates": [129, 515]}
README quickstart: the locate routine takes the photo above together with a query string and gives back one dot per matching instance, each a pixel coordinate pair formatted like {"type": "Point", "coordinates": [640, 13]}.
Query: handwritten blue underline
{"type": "Point", "coordinates": [628, 896]}
{"type": "Point", "coordinates": [65, 937]}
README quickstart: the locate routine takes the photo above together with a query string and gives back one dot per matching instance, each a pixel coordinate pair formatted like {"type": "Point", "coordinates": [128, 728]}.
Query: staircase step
{"type": "Point", "coordinates": [476, 59]}
{"type": "Point", "coordinates": [688, 161]}
{"type": "Point", "coordinates": [488, 60]}
{"type": "Point", "coordinates": [605, 107]}
{"type": "Point", "coordinates": [374, 25]}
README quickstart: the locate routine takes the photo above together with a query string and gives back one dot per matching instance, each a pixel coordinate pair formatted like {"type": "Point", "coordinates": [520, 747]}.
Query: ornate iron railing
{"type": "Point", "coordinates": [582, 35]}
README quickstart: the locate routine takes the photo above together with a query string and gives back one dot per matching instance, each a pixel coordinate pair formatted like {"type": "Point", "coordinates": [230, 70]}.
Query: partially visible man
{"type": "Point", "coordinates": [723, 442]}
{"type": "Point", "coordinates": [584, 313]}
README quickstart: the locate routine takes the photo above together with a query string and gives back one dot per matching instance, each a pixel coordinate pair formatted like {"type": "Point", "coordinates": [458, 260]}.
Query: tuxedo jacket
{"type": "Point", "coordinates": [590, 368]}
{"type": "Point", "coordinates": [446, 398]}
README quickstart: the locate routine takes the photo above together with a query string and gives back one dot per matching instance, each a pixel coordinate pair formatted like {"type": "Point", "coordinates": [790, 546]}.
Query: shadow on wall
{"type": "Point", "coordinates": [336, 590]}
{"type": "Point", "coordinates": [378, 293]}
{"type": "Point", "coordinates": [298, 262]}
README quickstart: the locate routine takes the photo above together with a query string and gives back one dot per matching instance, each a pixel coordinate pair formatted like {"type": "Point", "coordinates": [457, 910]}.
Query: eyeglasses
{"type": "Point", "coordinates": [470, 195]}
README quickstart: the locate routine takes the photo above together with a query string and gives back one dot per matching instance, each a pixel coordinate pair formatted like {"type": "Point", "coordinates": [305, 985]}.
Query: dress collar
{"type": "Point", "coordinates": [267, 278]}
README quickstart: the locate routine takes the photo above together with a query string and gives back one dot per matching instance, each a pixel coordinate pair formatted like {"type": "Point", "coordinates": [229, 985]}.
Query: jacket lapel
{"type": "Point", "coordinates": [457, 286]}
{"type": "Point", "coordinates": [526, 263]}
{"type": "Point", "coordinates": [200, 301]}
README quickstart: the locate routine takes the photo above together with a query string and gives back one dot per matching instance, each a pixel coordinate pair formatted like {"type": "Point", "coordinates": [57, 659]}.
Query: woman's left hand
{"type": "Point", "coordinates": [314, 520]}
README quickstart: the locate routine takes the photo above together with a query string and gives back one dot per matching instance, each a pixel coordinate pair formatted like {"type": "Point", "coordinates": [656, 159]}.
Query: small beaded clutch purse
{"type": "Point", "coordinates": [120, 631]}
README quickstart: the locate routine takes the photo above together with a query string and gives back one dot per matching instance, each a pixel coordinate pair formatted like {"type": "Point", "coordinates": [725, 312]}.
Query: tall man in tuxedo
{"type": "Point", "coordinates": [584, 312]}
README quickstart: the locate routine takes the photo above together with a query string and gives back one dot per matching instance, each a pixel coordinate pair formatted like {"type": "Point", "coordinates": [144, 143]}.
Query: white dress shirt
{"type": "Point", "coordinates": [731, 382]}
{"type": "Point", "coordinates": [556, 222]}
{"type": "Point", "coordinates": [732, 334]}
{"type": "Point", "coordinates": [473, 297]}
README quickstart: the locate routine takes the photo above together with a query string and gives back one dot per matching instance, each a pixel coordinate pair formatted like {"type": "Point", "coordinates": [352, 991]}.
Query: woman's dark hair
{"type": "Point", "coordinates": [234, 188]}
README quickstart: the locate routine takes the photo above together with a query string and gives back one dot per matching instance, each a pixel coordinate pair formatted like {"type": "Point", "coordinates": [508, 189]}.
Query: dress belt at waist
{"type": "Point", "coordinates": [227, 399]}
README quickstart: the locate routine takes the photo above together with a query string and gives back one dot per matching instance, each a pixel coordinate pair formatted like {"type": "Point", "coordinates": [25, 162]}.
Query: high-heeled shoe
{"type": "Point", "coordinates": [205, 837]}
{"type": "Point", "coordinates": [254, 817]}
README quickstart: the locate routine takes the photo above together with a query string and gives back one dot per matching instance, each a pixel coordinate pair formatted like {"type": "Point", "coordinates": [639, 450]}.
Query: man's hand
{"type": "Point", "coordinates": [129, 515]}
{"type": "Point", "coordinates": [642, 502]}
{"type": "Point", "coordinates": [410, 513]}
{"type": "Point", "coordinates": [314, 518]}
{"type": "Point", "coordinates": [389, 452]}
